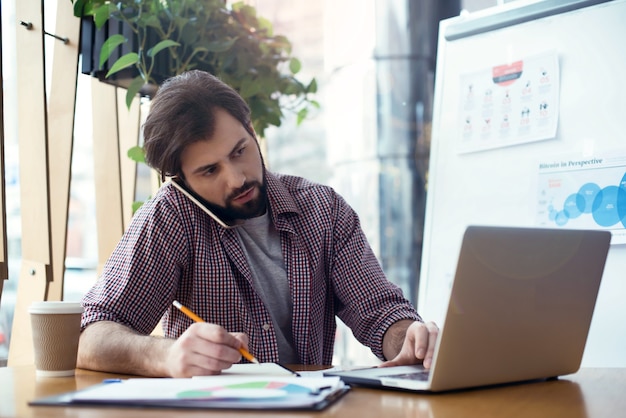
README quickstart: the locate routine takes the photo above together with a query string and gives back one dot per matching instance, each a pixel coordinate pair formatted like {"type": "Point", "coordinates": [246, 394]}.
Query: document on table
{"type": "Point", "coordinates": [273, 369]}
{"type": "Point", "coordinates": [239, 389]}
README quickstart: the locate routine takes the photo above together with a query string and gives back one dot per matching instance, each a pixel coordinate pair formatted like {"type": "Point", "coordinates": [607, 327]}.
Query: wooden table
{"type": "Point", "coordinates": [588, 393]}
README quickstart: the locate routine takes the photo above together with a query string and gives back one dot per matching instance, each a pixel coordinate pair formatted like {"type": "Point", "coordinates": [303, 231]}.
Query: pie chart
{"type": "Point", "coordinates": [248, 390]}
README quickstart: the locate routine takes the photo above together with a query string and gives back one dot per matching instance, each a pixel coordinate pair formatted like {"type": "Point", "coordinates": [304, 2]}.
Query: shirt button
{"type": "Point", "coordinates": [266, 327]}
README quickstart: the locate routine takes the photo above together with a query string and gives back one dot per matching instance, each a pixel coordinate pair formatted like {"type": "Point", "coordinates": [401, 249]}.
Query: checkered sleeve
{"type": "Point", "coordinates": [366, 300]}
{"type": "Point", "coordinates": [140, 277]}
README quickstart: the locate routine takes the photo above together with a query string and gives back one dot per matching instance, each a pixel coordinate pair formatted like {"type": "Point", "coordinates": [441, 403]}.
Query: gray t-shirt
{"type": "Point", "coordinates": [261, 244]}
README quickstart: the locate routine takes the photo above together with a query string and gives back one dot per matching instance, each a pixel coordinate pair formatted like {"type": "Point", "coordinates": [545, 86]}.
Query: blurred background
{"type": "Point", "coordinates": [374, 62]}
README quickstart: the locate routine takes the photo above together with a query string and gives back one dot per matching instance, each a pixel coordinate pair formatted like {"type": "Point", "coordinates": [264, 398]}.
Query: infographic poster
{"type": "Point", "coordinates": [509, 104]}
{"type": "Point", "coordinates": [584, 193]}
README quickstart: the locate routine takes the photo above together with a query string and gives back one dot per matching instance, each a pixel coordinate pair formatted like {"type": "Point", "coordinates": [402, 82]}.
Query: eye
{"type": "Point", "coordinates": [239, 151]}
{"type": "Point", "coordinates": [209, 170]}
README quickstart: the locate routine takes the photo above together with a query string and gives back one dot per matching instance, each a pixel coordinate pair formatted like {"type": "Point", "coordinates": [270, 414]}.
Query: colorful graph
{"type": "Point", "coordinates": [247, 390]}
{"type": "Point", "coordinates": [604, 206]}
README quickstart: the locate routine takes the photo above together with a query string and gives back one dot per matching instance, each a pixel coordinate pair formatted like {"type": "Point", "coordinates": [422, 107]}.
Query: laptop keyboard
{"type": "Point", "coordinates": [421, 375]}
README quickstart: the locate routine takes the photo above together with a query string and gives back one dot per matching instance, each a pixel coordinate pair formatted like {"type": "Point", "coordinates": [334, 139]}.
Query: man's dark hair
{"type": "Point", "coordinates": [182, 113]}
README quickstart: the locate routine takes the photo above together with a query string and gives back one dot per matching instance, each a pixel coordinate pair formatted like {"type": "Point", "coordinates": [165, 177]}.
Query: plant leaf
{"type": "Point", "coordinates": [152, 21]}
{"type": "Point", "coordinates": [238, 6]}
{"type": "Point", "coordinates": [136, 205]}
{"type": "Point", "coordinates": [312, 87]}
{"type": "Point", "coordinates": [302, 114]}
{"type": "Point", "coordinates": [221, 46]}
{"type": "Point", "coordinates": [249, 88]}
{"type": "Point", "coordinates": [79, 10]}
{"type": "Point", "coordinates": [109, 46]}
{"type": "Point", "coordinates": [101, 15]}
{"type": "Point", "coordinates": [123, 62]}
{"type": "Point", "coordinates": [282, 42]}
{"type": "Point", "coordinates": [137, 154]}
{"type": "Point", "coordinates": [274, 119]}
{"type": "Point", "coordinates": [266, 25]}
{"type": "Point", "coordinates": [295, 65]}
{"type": "Point", "coordinates": [161, 46]}
{"type": "Point", "coordinates": [132, 91]}
{"type": "Point", "coordinates": [293, 86]}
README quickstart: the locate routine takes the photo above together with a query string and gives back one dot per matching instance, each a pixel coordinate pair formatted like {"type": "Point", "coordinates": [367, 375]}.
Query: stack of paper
{"type": "Point", "coordinates": [239, 388]}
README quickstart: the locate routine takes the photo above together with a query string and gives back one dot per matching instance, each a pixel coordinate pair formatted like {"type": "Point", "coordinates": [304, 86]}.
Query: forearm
{"type": "Point", "coordinates": [394, 338]}
{"type": "Point", "coordinates": [112, 347]}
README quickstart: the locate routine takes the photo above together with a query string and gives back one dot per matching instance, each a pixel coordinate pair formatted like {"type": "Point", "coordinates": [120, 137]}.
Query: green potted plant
{"type": "Point", "coordinates": [136, 44]}
{"type": "Point", "coordinates": [156, 39]}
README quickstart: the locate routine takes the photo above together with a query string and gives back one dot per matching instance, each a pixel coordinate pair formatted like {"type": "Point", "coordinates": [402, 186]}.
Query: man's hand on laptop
{"type": "Point", "coordinates": [410, 342]}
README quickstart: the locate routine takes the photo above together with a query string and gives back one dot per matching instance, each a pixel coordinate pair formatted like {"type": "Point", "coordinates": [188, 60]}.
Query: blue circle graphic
{"type": "Point", "coordinates": [572, 205]}
{"type": "Point", "coordinates": [605, 206]}
{"type": "Point", "coordinates": [588, 193]}
{"type": "Point", "coordinates": [561, 218]}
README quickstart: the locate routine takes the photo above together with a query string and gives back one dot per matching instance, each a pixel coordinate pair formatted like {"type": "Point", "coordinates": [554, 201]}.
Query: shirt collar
{"type": "Point", "coordinates": [280, 201]}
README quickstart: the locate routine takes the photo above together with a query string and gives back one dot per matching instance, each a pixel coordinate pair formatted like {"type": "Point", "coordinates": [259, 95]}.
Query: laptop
{"type": "Point", "coordinates": [520, 308]}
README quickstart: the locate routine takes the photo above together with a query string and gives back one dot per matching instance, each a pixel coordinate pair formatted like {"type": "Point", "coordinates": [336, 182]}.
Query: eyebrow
{"type": "Point", "coordinates": [234, 150]}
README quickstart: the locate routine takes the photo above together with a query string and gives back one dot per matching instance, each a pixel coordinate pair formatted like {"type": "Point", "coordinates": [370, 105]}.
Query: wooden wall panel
{"type": "Point", "coordinates": [34, 186]}
{"type": "Point", "coordinates": [45, 141]}
{"type": "Point", "coordinates": [129, 120]}
{"type": "Point", "coordinates": [107, 171]}
{"type": "Point", "coordinates": [45, 135]}
{"type": "Point", "coordinates": [61, 106]}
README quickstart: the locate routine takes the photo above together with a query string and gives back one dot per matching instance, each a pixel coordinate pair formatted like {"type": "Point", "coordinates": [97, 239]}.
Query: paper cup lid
{"type": "Point", "coordinates": [55, 308]}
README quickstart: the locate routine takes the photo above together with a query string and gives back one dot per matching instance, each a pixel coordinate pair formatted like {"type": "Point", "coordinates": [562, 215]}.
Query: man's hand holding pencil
{"type": "Point", "coordinates": [205, 349]}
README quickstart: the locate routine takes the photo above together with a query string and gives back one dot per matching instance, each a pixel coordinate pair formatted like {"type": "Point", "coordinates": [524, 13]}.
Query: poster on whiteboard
{"type": "Point", "coordinates": [509, 104]}
{"type": "Point", "coordinates": [583, 192]}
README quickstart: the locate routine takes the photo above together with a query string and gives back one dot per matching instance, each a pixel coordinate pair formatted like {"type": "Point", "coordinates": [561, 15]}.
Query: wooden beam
{"type": "Point", "coordinates": [61, 106]}
{"type": "Point", "coordinates": [107, 171]}
{"type": "Point", "coordinates": [155, 179]}
{"type": "Point", "coordinates": [34, 186]}
{"type": "Point", "coordinates": [129, 137]}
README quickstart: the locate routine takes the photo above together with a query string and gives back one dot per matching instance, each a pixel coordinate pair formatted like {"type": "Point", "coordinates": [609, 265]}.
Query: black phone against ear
{"type": "Point", "coordinates": [192, 196]}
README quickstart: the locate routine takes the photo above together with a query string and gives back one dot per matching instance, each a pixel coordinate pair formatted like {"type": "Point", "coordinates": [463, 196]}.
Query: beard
{"type": "Point", "coordinates": [251, 209]}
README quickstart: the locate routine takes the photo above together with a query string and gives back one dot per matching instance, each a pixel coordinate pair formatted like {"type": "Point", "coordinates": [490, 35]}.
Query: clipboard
{"type": "Point", "coordinates": [268, 392]}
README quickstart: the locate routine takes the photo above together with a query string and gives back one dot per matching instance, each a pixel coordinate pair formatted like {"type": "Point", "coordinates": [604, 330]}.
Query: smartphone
{"type": "Point", "coordinates": [192, 196]}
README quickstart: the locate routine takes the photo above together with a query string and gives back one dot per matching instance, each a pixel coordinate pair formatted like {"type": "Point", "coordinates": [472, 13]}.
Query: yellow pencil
{"type": "Point", "coordinates": [196, 318]}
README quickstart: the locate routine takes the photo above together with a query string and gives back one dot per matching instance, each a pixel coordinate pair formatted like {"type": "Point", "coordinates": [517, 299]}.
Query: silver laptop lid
{"type": "Point", "coordinates": [520, 306]}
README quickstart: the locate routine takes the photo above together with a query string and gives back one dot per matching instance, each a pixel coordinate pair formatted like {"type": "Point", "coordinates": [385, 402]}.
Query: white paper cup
{"type": "Point", "coordinates": [56, 329]}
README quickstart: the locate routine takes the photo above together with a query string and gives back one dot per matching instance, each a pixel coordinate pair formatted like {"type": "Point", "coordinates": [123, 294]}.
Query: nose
{"type": "Point", "coordinates": [235, 178]}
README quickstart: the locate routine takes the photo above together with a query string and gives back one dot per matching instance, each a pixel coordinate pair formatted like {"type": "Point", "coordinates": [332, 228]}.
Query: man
{"type": "Point", "coordinates": [266, 260]}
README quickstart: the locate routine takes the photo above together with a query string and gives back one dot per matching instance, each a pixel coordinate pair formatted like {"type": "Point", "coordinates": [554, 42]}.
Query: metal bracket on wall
{"type": "Point", "coordinates": [29, 26]}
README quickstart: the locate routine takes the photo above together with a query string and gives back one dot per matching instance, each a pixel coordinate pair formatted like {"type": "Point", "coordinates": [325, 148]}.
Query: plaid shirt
{"type": "Point", "coordinates": [174, 251]}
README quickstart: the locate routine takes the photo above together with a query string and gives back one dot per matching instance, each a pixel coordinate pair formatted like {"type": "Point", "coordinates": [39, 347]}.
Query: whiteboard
{"type": "Point", "coordinates": [566, 170]}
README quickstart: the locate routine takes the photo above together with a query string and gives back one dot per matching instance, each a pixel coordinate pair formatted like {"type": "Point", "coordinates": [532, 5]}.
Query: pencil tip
{"type": "Point", "coordinates": [177, 304]}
